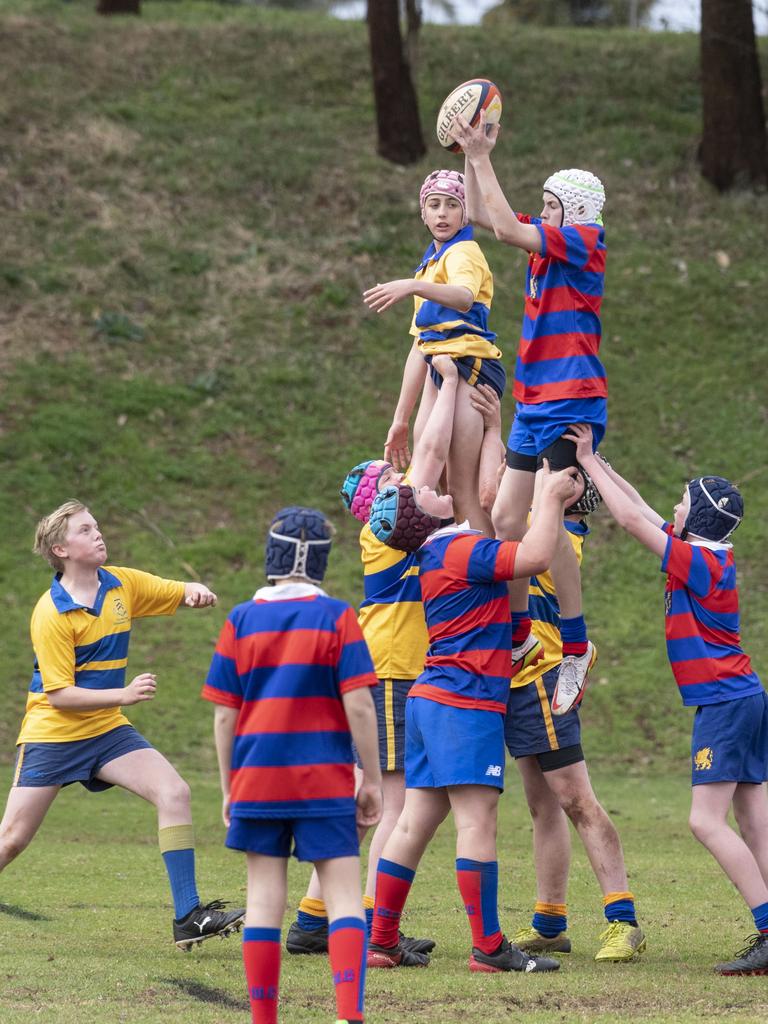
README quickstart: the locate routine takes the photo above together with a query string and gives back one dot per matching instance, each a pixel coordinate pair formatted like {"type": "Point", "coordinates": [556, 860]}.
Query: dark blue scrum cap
{"type": "Point", "coordinates": [717, 508]}
{"type": "Point", "coordinates": [298, 544]}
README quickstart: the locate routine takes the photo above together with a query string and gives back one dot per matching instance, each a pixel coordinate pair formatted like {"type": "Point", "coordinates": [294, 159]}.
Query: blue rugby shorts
{"type": "Point", "coordinates": [61, 764]}
{"type": "Point", "coordinates": [449, 746]}
{"type": "Point", "coordinates": [531, 730]}
{"type": "Point", "coordinates": [389, 700]}
{"type": "Point", "coordinates": [475, 370]}
{"type": "Point", "coordinates": [536, 427]}
{"type": "Point", "coordinates": [729, 742]}
{"type": "Point", "coordinates": [311, 838]}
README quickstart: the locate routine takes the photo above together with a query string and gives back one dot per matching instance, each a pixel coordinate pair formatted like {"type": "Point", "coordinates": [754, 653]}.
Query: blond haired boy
{"type": "Point", "coordinates": [74, 729]}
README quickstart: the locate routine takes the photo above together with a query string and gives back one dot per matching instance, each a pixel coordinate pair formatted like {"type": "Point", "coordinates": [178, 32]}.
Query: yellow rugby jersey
{"type": "Point", "coordinates": [545, 613]}
{"type": "Point", "coordinates": [441, 329]}
{"type": "Point", "coordinates": [392, 615]}
{"type": "Point", "coordinates": [77, 646]}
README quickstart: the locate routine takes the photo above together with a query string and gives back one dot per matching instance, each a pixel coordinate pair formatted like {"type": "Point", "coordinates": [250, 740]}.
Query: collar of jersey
{"type": "Point", "coordinates": [465, 234]}
{"type": "Point", "coordinates": [453, 528]}
{"type": "Point", "coordinates": [288, 592]}
{"type": "Point", "coordinates": [62, 599]}
{"type": "Point", "coordinates": [702, 542]}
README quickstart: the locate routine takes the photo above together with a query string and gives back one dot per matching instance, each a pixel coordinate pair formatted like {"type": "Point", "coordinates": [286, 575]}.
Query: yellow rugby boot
{"type": "Point", "coordinates": [622, 941]}
{"type": "Point", "coordinates": [532, 941]}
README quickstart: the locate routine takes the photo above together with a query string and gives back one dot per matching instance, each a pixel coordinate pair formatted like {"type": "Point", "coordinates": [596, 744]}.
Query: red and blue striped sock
{"type": "Point", "coordinates": [521, 627]}
{"type": "Point", "coordinates": [574, 634]}
{"type": "Point", "coordinates": [620, 906]}
{"type": "Point", "coordinates": [393, 883]}
{"type": "Point", "coordinates": [479, 888]}
{"type": "Point", "coordinates": [261, 958]}
{"type": "Point", "coordinates": [760, 914]}
{"type": "Point", "coordinates": [347, 951]}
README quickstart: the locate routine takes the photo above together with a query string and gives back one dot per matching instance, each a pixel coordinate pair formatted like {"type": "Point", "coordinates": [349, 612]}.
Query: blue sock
{"type": "Point", "coordinates": [549, 919]}
{"type": "Point", "coordinates": [574, 636]}
{"type": "Point", "coordinates": [312, 915]}
{"type": "Point", "coordinates": [760, 915]}
{"type": "Point", "coordinates": [620, 906]}
{"type": "Point", "coordinates": [180, 865]}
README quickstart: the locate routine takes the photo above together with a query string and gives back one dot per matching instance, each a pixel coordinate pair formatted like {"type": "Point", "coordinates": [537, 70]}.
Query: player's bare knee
{"type": "Point", "coordinates": [13, 841]}
{"type": "Point", "coordinates": [175, 795]}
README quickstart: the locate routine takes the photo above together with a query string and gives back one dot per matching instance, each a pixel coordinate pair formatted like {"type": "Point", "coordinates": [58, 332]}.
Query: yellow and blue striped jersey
{"type": "Point", "coordinates": [392, 615]}
{"type": "Point", "coordinates": [78, 646]}
{"type": "Point", "coordinates": [441, 329]}
{"type": "Point", "coordinates": [545, 612]}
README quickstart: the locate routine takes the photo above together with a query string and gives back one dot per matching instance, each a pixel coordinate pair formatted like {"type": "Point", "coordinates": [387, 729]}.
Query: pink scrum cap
{"type": "Point", "coordinates": [361, 485]}
{"type": "Point", "coordinates": [445, 183]}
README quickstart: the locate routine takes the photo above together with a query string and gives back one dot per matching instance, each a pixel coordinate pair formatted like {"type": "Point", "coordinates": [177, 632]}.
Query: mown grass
{"type": "Point", "coordinates": [86, 926]}
{"type": "Point", "coordinates": [191, 207]}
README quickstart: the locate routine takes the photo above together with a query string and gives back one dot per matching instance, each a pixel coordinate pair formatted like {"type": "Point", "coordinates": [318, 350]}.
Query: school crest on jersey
{"type": "Point", "coordinates": [703, 759]}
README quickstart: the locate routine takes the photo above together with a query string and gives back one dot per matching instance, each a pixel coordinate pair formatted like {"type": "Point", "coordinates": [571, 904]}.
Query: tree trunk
{"type": "Point", "coordinates": [397, 110]}
{"type": "Point", "coordinates": [734, 152]}
{"type": "Point", "coordinates": [118, 7]}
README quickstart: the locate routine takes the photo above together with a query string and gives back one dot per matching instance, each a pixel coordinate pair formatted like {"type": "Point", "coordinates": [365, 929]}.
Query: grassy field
{"type": "Point", "coordinates": [85, 922]}
{"type": "Point", "coordinates": [191, 207]}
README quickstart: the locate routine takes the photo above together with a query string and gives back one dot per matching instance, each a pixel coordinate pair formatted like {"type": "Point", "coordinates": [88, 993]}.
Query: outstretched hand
{"type": "Point", "coordinates": [382, 296]}
{"type": "Point", "coordinates": [477, 141]}
{"type": "Point", "coordinates": [581, 435]}
{"type": "Point", "coordinates": [396, 448]}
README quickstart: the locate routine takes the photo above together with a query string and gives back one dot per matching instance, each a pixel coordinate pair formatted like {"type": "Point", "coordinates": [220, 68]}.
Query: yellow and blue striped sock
{"type": "Point", "coordinates": [549, 919]}
{"type": "Point", "coordinates": [177, 845]}
{"type": "Point", "coordinates": [312, 915]}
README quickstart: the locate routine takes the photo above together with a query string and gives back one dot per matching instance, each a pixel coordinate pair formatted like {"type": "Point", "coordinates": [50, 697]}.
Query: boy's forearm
{"type": "Point", "coordinates": [627, 513]}
{"type": "Point", "coordinates": [79, 698]}
{"type": "Point", "coordinates": [537, 548]}
{"type": "Point", "coordinates": [455, 296]}
{"type": "Point", "coordinates": [414, 372]}
{"type": "Point", "coordinates": [434, 444]}
{"type": "Point", "coordinates": [476, 211]}
{"type": "Point", "coordinates": [224, 721]}
{"type": "Point", "coordinates": [361, 716]}
{"type": "Point", "coordinates": [631, 492]}
{"type": "Point", "coordinates": [502, 217]}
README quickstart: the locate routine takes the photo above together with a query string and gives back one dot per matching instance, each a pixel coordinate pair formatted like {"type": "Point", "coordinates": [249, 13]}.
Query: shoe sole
{"type": "Point", "coordinates": [185, 945]}
{"type": "Point", "coordinates": [546, 950]}
{"type": "Point", "coordinates": [293, 948]}
{"type": "Point", "coordinates": [744, 974]}
{"type": "Point", "coordinates": [531, 658]}
{"type": "Point", "coordinates": [580, 695]}
{"type": "Point", "coordinates": [624, 959]}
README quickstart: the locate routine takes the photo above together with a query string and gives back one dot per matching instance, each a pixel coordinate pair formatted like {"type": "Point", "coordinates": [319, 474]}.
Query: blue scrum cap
{"type": "Point", "coordinates": [398, 520]}
{"type": "Point", "coordinates": [717, 508]}
{"type": "Point", "coordinates": [298, 544]}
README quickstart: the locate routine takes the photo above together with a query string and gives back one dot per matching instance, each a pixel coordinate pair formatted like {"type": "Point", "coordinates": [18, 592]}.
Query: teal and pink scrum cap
{"type": "Point", "coordinates": [361, 485]}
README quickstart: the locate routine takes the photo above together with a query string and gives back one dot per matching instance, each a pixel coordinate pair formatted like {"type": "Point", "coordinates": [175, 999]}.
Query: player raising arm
{"type": "Point", "coordinates": [74, 730]}
{"type": "Point", "coordinates": [729, 745]}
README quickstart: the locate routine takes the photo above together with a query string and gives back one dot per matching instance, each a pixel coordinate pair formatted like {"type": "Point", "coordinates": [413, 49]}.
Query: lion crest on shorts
{"type": "Point", "coordinates": [703, 759]}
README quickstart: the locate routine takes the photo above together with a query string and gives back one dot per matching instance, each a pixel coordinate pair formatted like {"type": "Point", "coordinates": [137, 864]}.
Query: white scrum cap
{"type": "Point", "coordinates": [581, 193]}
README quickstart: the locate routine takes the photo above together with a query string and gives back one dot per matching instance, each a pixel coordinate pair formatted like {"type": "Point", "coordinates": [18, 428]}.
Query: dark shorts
{"type": "Point", "coordinates": [307, 838]}
{"type": "Point", "coordinates": [730, 741]}
{"type": "Point", "coordinates": [531, 730]}
{"type": "Point", "coordinates": [61, 764]}
{"type": "Point", "coordinates": [475, 370]}
{"type": "Point", "coordinates": [389, 699]}
{"type": "Point", "coordinates": [536, 427]}
{"type": "Point", "coordinates": [448, 746]}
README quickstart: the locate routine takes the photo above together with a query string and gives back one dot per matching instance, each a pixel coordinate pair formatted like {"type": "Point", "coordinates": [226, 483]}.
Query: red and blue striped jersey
{"type": "Point", "coordinates": [463, 578]}
{"type": "Point", "coordinates": [702, 624]}
{"type": "Point", "coordinates": [284, 660]}
{"type": "Point", "coordinates": [558, 353]}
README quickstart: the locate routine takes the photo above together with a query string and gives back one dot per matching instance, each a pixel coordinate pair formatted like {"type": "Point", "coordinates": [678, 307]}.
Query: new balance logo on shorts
{"type": "Point", "coordinates": [493, 769]}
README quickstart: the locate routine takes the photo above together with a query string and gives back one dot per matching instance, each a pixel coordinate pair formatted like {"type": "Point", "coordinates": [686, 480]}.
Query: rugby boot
{"type": "Point", "coordinates": [527, 653]}
{"type": "Point", "coordinates": [416, 945]}
{"type": "Point", "coordinates": [395, 956]}
{"type": "Point", "coordinates": [753, 959]}
{"type": "Point", "coordinates": [622, 941]}
{"type": "Point", "coordinates": [572, 680]}
{"type": "Point", "coordinates": [204, 922]}
{"type": "Point", "coordinates": [304, 940]}
{"type": "Point", "coordinates": [509, 958]}
{"type": "Point", "coordinates": [532, 941]}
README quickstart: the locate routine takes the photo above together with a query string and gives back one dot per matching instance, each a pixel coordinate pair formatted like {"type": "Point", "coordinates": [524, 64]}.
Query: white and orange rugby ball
{"type": "Point", "coordinates": [468, 99]}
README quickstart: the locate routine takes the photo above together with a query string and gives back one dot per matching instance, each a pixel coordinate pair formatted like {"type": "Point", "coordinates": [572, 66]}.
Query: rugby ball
{"type": "Point", "coordinates": [468, 99]}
